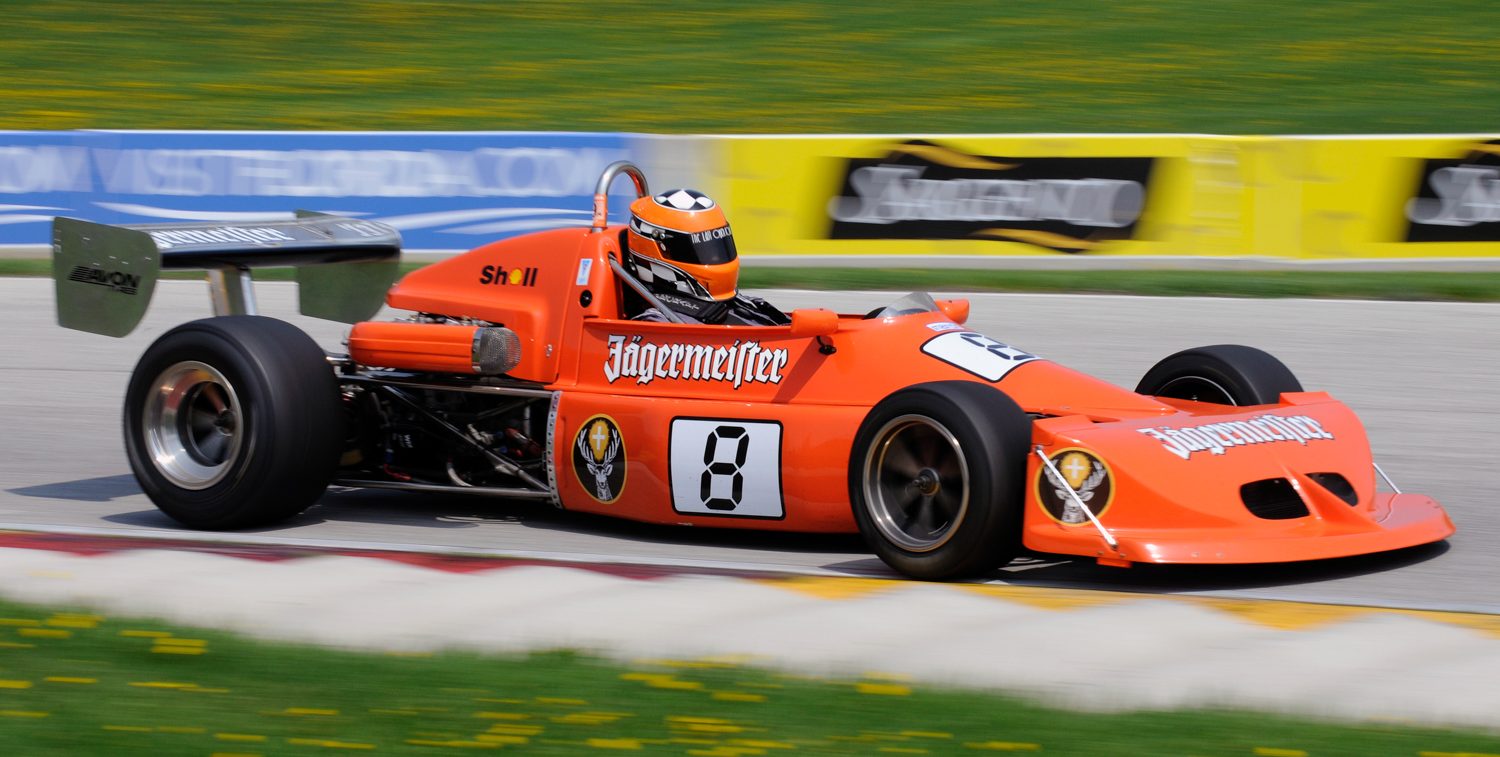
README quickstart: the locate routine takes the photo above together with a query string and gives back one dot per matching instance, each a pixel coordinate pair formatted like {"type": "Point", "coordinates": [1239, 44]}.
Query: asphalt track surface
{"type": "Point", "coordinates": [1421, 375]}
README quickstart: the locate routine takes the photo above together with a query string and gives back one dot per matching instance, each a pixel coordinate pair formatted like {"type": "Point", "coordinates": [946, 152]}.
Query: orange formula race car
{"type": "Point", "coordinates": [517, 376]}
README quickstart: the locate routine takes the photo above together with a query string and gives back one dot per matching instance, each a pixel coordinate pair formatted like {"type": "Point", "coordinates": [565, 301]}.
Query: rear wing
{"type": "Point", "coordinates": [105, 275]}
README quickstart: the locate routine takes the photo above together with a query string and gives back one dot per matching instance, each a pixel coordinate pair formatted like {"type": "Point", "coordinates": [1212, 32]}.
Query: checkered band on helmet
{"type": "Point", "coordinates": [684, 199]}
{"type": "Point", "coordinates": [687, 229]}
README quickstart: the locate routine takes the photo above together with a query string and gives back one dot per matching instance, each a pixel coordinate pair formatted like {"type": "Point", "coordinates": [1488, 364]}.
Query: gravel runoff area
{"type": "Point", "coordinates": [1086, 650]}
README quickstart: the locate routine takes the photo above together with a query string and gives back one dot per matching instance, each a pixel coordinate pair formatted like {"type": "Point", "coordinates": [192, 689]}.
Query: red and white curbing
{"type": "Point", "coordinates": [1125, 653]}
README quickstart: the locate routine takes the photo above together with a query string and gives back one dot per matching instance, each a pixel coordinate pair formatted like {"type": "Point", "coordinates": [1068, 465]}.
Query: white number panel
{"type": "Point", "coordinates": [726, 467]}
{"type": "Point", "coordinates": [977, 354]}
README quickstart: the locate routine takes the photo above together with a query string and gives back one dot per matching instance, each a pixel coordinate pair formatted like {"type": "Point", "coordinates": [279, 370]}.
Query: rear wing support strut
{"type": "Point", "coordinates": [230, 289]}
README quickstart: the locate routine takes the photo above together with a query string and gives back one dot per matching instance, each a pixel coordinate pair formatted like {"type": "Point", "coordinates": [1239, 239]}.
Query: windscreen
{"type": "Point", "coordinates": [916, 302]}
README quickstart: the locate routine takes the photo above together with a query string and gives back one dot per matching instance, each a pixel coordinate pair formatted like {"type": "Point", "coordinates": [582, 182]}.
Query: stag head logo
{"type": "Point", "coordinates": [599, 458]}
{"type": "Point", "coordinates": [1081, 475]}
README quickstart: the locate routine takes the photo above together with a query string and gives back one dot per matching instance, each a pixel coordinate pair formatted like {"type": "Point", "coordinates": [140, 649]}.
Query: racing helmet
{"type": "Point", "coordinates": [687, 230]}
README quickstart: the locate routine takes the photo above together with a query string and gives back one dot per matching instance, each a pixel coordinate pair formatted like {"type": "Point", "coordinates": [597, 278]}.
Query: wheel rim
{"type": "Point", "coordinates": [916, 483]}
{"type": "Point", "coordinates": [1197, 389]}
{"type": "Point", "coordinates": [192, 425]}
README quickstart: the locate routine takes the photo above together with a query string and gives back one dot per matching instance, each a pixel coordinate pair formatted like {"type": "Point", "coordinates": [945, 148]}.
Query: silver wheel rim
{"type": "Point", "coordinates": [1194, 388]}
{"type": "Point", "coordinates": [193, 425]}
{"type": "Point", "coordinates": [916, 483]}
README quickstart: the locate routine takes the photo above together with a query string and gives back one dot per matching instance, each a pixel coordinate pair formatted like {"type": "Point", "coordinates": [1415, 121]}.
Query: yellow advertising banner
{"type": "Point", "coordinates": [1377, 198]}
{"type": "Point", "coordinates": [1111, 195]}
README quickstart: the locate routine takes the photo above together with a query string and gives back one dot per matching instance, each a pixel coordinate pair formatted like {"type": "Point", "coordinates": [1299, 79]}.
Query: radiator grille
{"type": "Point", "coordinates": [1273, 499]}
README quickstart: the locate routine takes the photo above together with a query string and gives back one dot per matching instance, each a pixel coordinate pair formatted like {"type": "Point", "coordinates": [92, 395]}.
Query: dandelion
{"type": "Point", "coordinates": [883, 689]}
{"type": "Point", "coordinates": [308, 711]}
{"type": "Point", "coordinates": [44, 633]}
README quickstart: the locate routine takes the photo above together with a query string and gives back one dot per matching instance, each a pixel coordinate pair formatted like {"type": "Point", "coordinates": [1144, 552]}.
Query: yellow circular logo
{"type": "Point", "coordinates": [1080, 477]}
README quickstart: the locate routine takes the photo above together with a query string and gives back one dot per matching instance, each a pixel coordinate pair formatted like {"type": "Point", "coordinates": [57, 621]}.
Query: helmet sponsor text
{"type": "Point", "coordinates": [710, 235]}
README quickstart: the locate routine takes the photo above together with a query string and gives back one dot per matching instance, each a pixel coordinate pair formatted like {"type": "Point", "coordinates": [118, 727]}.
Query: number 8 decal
{"type": "Point", "coordinates": [977, 354]}
{"type": "Point", "coordinates": [726, 467]}
{"type": "Point", "coordinates": [998, 349]}
{"type": "Point", "coordinates": [713, 468]}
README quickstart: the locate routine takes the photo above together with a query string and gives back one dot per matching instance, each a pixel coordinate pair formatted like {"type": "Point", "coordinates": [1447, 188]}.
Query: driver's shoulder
{"type": "Point", "coordinates": [756, 311]}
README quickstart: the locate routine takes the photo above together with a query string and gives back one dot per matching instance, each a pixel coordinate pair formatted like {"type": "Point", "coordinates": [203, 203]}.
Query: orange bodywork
{"type": "Point", "coordinates": [434, 347]}
{"type": "Point", "coordinates": [774, 412]}
{"type": "Point", "coordinates": [1175, 505]}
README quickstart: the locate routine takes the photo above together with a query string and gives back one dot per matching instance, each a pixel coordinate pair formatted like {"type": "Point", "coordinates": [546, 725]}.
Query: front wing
{"type": "Point", "coordinates": [1275, 483]}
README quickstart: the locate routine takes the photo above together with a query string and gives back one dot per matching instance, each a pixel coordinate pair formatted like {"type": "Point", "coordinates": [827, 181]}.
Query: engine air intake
{"type": "Point", "coordinates": [436, 347]}
{"type": "Point", "coordinates": [1273, 499]}
{"type": "Point", "coordinates": [497, 350]}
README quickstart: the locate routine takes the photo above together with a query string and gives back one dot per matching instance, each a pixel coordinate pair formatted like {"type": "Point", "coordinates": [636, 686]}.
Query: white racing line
{"type": "Point", "coordinates": [228, 541]}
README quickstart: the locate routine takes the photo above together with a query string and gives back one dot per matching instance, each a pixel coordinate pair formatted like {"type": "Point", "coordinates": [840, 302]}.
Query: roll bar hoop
{"type": "Point", "coordinates": [601, 190]}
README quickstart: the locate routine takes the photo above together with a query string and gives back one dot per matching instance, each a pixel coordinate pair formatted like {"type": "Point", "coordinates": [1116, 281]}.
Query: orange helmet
{"type": "Point", "coordinates": [687, 230]}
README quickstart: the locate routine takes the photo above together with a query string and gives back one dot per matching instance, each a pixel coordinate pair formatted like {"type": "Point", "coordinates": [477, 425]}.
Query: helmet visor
{"type": "Point", "coordinates": [709, 247]}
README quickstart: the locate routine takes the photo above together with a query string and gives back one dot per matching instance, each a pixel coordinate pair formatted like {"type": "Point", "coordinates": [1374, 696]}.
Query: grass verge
{"type": "Point", "coordinates": [78, 683]}
{"type": "Point", "coordinates": [1233, 67]}
{"type": "Point", "coordinates": [1435, 286]}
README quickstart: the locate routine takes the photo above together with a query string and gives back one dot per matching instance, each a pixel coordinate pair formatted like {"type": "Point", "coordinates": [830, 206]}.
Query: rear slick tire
{"type": "Point", "coordinates": [233, 422]}
{"type": "Point", "coordinates": [937, 479]}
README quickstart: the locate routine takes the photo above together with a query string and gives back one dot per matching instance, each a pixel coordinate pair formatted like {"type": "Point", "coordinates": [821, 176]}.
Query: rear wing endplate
{"type": "Point", "coordinates": [105, 275]}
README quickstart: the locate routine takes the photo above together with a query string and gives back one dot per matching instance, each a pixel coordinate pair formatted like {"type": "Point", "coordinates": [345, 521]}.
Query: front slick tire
{"type": "Point", "coordinates": [233, 422]}
{"type": "Point", "coordinates": [937, 478]}
{"type": "Point", "coordinates": [1224, 374]}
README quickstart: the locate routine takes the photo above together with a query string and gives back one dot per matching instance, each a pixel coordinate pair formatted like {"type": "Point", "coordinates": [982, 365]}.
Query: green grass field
{"type": "Point", "coordinates": [76, 683]}
{"type": "Point", "coordinates": [1237, 66]}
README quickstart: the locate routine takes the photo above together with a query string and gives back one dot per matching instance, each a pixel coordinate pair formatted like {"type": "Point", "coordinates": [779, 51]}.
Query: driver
{"type": "Point", "coordinates": [681, 248]}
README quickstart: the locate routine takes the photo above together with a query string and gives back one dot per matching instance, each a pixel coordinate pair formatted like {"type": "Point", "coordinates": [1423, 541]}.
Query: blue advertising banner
{"type": "Point", "coordinates": [442, 190]}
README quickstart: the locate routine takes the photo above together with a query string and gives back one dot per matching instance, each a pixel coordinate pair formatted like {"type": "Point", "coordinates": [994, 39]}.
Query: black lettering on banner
{"type": "Point", "coordinates": [713, 468]}
{"type": "Point", "coordinates": [1457, 200]}
{"type": "Point", "coordinates": [926, 190]}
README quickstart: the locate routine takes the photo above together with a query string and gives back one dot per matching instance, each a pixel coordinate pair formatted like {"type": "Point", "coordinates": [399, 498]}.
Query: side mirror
{"type": "Point", "coordinates": [814, 322]}
{"type": "Point", "coordinates": [956, 310]}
